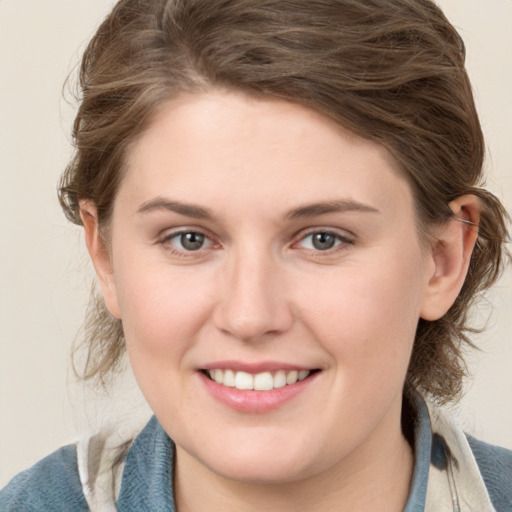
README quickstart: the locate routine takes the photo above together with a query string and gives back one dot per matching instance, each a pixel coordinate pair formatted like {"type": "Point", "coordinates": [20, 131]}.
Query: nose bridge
{"type": "Point", "coordinates": [253, 301]}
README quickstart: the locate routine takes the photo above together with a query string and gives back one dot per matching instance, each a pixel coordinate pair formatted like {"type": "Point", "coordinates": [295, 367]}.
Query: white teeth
{"type": "Point", "coordinates": [264, 381]}
{"type": "Point", "coordinates": [303, 374]}
{"type": "Point", "coordinates": [291, 377]}
{"type": "Point", "coordinates": [244, 380]}
{"type": "Point", "coordinates": [280, 379]}
{"type": "Point", "coordinates": [229, 378]}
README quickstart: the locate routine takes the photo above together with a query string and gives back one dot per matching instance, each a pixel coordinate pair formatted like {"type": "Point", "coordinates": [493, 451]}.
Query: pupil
{"type": "Point", "coordinates": [192, 241]}
{"type": "Point", "coordinates": [323, 241]}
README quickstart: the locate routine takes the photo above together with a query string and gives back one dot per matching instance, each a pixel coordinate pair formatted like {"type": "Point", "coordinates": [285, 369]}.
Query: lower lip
{"type": "Point", "coordinates": [251, 401]}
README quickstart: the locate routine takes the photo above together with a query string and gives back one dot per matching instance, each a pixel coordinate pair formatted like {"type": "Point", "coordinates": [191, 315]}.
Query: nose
{"type": "Point", "coordinates": [252, 302]}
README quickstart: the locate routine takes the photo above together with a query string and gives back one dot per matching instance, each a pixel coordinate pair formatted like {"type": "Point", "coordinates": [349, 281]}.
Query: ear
{"type": "Point", "coordinates": [451, 255]}
{"type": "Point", "coordinates": [99, 256]}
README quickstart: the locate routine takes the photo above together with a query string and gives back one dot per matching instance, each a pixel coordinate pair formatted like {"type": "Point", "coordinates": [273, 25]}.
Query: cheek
{"type": "Point", "coordinates": [162, 308]}
{"type": "Point", "coordinates": [162, 314]}
{"type": "Point", "coordinates": [366, 315]}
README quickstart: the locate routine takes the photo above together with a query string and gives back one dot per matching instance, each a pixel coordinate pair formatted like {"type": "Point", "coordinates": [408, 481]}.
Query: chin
{"type": "Point", "coordinates": [267, 471]}
{"type": "Point", "coordinates": [265, 460]}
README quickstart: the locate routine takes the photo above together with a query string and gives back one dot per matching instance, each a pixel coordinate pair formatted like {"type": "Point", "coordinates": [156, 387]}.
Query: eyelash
{"type": "Point", "coordinates": [184, 253]}
{"type": "Point", "coordinates": [341, 242]}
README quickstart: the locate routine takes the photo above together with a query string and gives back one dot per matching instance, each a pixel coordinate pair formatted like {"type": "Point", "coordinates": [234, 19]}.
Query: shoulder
{"type": "Point", "coordinates": [495, 464]}
{"type": "Point", "coordinates": [52, 484]}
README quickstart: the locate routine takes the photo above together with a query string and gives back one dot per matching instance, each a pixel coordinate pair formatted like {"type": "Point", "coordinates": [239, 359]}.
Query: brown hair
{"type": "Point", "coordinates": [391, 71]}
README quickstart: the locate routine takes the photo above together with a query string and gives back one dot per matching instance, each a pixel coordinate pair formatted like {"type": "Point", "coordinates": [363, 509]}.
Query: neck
{"type": "Point", "coordinates": [376, 476]}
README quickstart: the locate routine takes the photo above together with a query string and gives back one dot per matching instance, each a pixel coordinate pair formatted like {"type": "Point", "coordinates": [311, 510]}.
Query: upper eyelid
{"type": "Point", "coordinates": [341, 233]}
{"type": "Point", "coordinates": [170, 233]}
{"type": "Point", "coordinates": [167, 236]}
{"type": "Point", "coordinates": [345, 239]}
{"type": "Point", "coordinates": [165, 241]}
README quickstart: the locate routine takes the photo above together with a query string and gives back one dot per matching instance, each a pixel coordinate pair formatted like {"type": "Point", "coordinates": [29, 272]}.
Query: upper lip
{"type": "Point", "coordinates": [254, 368]}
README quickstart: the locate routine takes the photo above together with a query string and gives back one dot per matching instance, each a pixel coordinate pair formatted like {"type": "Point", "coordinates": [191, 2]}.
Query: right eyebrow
{"type": "Point", "coordinates": [185, 209]}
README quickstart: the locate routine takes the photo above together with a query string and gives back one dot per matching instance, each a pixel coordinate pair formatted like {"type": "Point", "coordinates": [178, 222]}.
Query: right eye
{"type": "Point", "coordinates": [187, 241]}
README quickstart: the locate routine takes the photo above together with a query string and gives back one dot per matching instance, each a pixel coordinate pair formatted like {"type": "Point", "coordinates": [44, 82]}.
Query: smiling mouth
{"type": "Point", "coordinates": [265, 381]}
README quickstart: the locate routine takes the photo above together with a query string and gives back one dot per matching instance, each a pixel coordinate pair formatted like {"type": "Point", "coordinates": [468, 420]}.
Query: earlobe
{"type": "Point", "coordinates": [451, 255]}
{"type": "Point", "coordinates": [99, 256]}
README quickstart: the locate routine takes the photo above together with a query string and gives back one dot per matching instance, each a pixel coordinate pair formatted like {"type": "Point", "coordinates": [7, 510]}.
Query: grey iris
{"type": "Point", "coordinates": [323, 241]}
{"type": "Point", "coordinates": [192, 241]}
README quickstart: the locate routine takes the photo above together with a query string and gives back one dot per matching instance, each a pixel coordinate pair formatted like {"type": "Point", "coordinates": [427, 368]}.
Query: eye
{"type": "Point", "coordinates": [189, 241]}
{"type": "Point", "coordinates": [322, 241]}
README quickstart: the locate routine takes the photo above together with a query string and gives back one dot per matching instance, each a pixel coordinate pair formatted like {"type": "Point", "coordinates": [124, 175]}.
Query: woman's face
{"type": "Point", "coordinates": [256, 242]}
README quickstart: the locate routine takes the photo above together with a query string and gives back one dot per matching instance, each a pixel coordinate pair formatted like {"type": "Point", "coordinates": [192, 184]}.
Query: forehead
{"type": "Point", "coordinates": [229, 147]}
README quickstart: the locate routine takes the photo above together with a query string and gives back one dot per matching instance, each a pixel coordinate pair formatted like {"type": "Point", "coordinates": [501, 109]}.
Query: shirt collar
{"type": "Point", "coordinates": [422, 451]}
{"type": "Point", "coordinates": [147, 475]}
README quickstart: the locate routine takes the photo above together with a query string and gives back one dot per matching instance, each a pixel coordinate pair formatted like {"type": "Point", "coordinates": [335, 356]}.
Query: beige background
{"type": "Point", "coordinates": [45, 275]}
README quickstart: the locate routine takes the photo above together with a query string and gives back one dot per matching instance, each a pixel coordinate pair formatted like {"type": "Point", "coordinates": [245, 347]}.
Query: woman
{"type": "Point", "coordinates": [283, 205]}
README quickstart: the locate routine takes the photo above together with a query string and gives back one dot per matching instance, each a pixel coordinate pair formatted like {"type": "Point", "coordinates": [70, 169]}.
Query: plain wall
{"type": "Point", "coordinates": [44, 271]}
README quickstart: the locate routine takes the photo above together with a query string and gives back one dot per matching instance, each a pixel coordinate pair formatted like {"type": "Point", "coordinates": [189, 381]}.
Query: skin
{"type": "Point", "coordinates": [259, 291]}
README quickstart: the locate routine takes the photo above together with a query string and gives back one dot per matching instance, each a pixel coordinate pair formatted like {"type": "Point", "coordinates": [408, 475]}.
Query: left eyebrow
{"type": "Point", "coordinates": [343, 205]}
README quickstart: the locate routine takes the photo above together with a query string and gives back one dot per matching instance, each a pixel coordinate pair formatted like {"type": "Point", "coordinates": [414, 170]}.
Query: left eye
{"type": "Point", "coordinates": [321, 241]}
{"type": "Point", "coordinates": [190, 241]}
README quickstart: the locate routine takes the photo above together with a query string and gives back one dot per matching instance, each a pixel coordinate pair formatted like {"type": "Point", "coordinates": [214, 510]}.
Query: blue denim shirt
{"type": "Point", "coordinates": [54, 485]}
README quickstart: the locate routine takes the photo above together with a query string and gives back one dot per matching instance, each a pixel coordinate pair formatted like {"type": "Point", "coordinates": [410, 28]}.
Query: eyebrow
{"type": "Point", "coordinates": [185, 209]}
{"type": "Point", "coordinates": [306, 211]}
{"type": "Point", "coordinates": [343, 205]}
